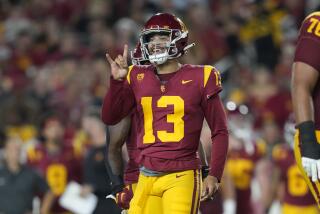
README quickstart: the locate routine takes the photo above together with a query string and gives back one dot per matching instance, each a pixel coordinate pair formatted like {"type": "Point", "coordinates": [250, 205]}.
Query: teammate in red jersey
{"type": "Point", "coordinates": [244, 152]}
{"type": "Point", "coordinates": [56, 161]}
{"type": "Point", "coordinates": [296, 197]}
{"type": "Point", "coordinates": [171, 102]}
{"type": "Point", "coordinates": [306, 101]}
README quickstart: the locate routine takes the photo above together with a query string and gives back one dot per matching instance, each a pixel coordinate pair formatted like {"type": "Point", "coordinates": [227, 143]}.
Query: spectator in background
{"type": "Point", "coordinates": [96, 178]}
{"type": "Point", "coordinates": [19, 184]}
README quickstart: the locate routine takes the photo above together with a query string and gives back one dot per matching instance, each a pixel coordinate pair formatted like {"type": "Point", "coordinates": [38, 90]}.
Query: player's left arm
{"type": "Point", "coordinates": [216, 118]}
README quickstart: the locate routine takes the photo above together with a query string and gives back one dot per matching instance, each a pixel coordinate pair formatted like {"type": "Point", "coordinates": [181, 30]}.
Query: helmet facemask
{"type": "Point", "coordinates": [137, 58]}
{"type": "Point", "coordinates": [161, 51]}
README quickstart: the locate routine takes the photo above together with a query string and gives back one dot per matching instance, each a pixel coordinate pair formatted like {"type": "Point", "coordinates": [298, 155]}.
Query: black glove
{"type": "Point", "coordinates": [310, 148]}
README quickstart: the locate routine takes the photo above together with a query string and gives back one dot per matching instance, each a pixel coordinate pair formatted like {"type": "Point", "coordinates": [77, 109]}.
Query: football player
{"type": "Point", "coordinates": [296, 197]}
{"type": "Point", "coordinates": [56, 160]}
{"type": "Point", "coordinates": [244, 152]}
{"type": "Point", "coordinates": [171, 101]}
{"type": "Point", "coordinates": [117, 135]}
{"type": "Point", "coordinates": [305, 89]}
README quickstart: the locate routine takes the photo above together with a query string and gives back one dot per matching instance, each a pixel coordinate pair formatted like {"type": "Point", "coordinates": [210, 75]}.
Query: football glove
{"type": "Point", "coordinates": [124, 197]}
{"type": "Point", "coordinates": [310, 150]}
{"type": "Point", "coordinates": [312, 168]}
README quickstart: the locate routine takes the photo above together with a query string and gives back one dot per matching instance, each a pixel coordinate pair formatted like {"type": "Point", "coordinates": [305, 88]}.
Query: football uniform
{"type": "Point", "coordinates": [297, 197]}
{"type": "Point", "coordinates": [58, 169]}
{"type": "Point", "coordinates": [131, 173]}
{"type": "Point", "coordinates": [240, 165]}
{"type": "Point", "coordinates": [170, 118]}
{"type": "Point", "coordinates": [307, 51]}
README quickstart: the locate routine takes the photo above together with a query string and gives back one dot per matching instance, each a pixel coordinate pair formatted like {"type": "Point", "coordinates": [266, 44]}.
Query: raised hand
{"type": "Point", "coordinates": [119, 66]}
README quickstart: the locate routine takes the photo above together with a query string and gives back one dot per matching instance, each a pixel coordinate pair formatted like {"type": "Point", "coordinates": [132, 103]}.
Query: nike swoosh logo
{"type": "Point", "coordinates": [178, 176]}
{"type": "Point", "coordinates": [185, 81]}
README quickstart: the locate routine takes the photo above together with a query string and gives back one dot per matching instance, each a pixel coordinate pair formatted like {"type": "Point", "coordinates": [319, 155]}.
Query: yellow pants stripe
{"type": "Point", "coordinates": [196, 193]}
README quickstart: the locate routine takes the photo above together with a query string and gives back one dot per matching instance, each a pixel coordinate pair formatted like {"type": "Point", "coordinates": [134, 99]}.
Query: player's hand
{"type": "Point", "coordinates": [119, 66]}
{"type": "Point", "coordinates": [311, 167]}
{"type": "Point", "coordinates": [124, 197]}
{"type": "Point", "coordinates": [209, 187]}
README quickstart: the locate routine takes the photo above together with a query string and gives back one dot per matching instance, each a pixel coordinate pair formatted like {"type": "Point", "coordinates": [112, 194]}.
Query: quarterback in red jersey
{"type": "Point", "coordinates": [296, 197]}
{"type": "Point", "coordinates": [306, 101]}
{"type": "Point", "coordinates": [171, 101]}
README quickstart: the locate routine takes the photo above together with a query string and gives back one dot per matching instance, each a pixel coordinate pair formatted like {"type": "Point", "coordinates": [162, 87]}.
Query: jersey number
{"type": "Point", "coordinates": [175, 119]}
{"type": "Point", "coordinates": [296, 184]}
{"type": "Point", "coordinates": [314, 27]}
{"type": "Point", "coordinates": [57, 178]}
{"type": "Point", "coordinates": [240, 171]}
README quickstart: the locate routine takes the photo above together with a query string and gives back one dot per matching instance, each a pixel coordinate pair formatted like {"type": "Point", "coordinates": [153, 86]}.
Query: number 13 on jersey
{"type": "Point", "coordinates": [176, 119]}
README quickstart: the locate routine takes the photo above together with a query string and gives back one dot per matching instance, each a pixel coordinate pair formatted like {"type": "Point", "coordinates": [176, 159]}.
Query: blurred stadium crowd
{"type": "Point", "coordinates": [53, 76]}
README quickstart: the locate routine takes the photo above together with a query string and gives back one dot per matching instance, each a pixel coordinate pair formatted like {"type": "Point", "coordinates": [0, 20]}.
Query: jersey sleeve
{"type": "Point", "coordinates": [211, 81]}
{"type": "Point", "coordinates": [308, 45]}
{"type": "Point", "coordinates": [216, 119]}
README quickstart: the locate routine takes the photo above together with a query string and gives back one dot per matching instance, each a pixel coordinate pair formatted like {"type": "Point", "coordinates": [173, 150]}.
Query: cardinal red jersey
{"type": "Point", "coordinates": [296, 189]}
{"type": "Point", "coordinates": [170, 115]}
{"type": "Point", "coordinates": [307, 51]}
{"type": "Point", "coordinates": [131, 173]}
{"type": "Point", "coordinates": [240, 166]}
{"type": "Point", "coordinates": [58, 169]}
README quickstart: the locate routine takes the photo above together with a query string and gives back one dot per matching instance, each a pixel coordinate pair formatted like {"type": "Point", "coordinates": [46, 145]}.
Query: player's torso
{"type": "Point", "coordinates": [296, 189]}
{"type": "Point", "coordinates": [169, 115]}
{"type": "Point", "coordinates": [311, 29]}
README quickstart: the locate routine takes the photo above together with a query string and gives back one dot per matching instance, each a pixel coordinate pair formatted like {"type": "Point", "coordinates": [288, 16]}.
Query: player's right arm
{"type": "Point", "coordinates": [305, 74]}
{"type": "Point", "coordinates": [119, 99]}
{"type": "Point", "coordinates": [117, 136]}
